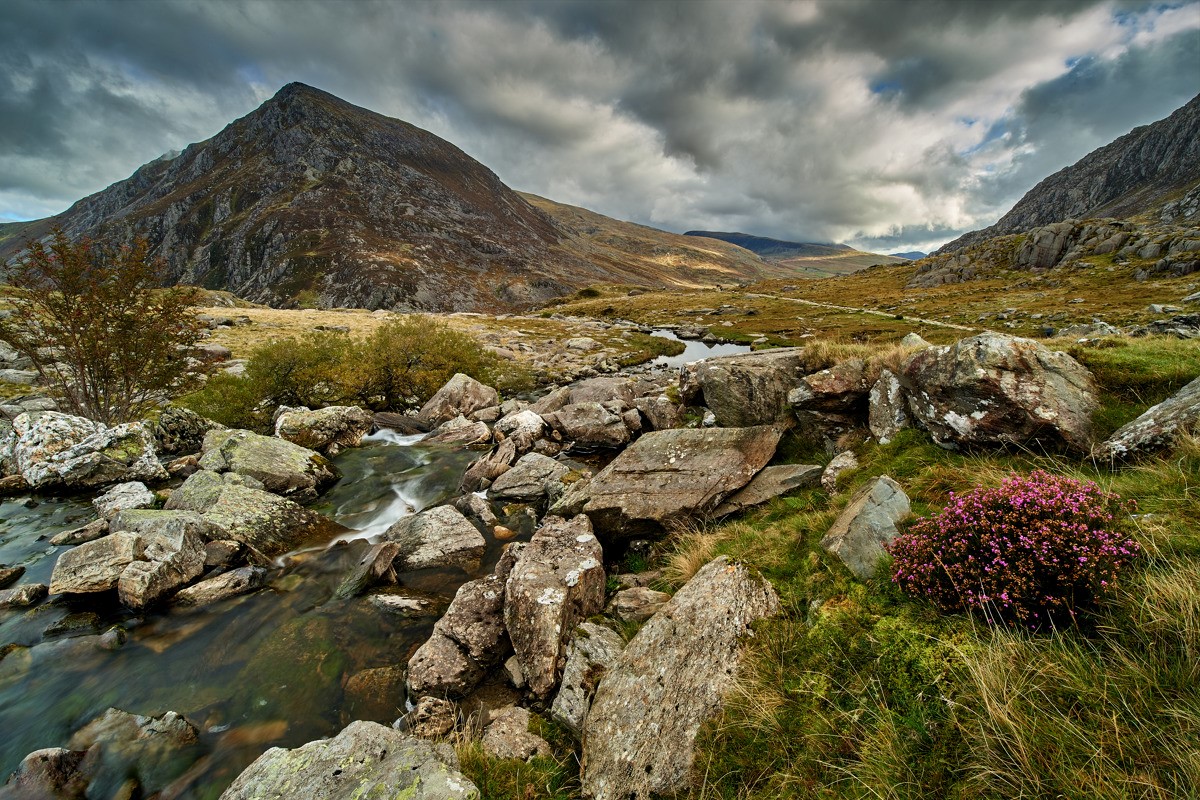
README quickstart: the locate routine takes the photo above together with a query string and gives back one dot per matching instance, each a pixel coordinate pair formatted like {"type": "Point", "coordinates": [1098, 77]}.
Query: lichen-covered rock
{"type": "Point", "coordinates": [439, 537]}
{"type": "Point", "coordinates": [327, 430]}
{"type": "Point", "coordinates": [96, 566]}
{"type": "Point", "coordinates": [597, 425]}
{"type": "Point", "coordinates": [1159, 428]}
{"type": "Point", "coordinates": [180, 431]}
{"type": "Point", "coordinates": [669, 475]}
{"type": "Point", "coordinates": [173, 554]}
{"type": "Point", "coordinates": [508, 736]}
{"type": "Point", "coordinates": [227, 584]}
{"type": "Point", "coordinates": [746, 389]}
{"type": "Point", "coordinates": [636, 604]}
{"type": "Point", "coordinates": [461, 396]}
{"type": "Point", "coordinates": [534, 477]}
{"type": "Point", "coordinates": [868, 522]}
{"type": "Point", "coordinates": [771, 482]}
{"type": "Point", "coordinates": [840, 388]}
{"type": "Point", "coordinates": [365, 760]}
{"type": "Point", "coordinates": [557, 583]}
{"type": "Point", "coordinates": [283, 468]}
{"type": "Point", "coordinates": [54, 449]}
{"type": "Point", "coordinates": [994, 389]}
{"type": "Point", "coordinates": [592, 651]}
{"type": "Point", "coordinates": [132, 495]}
{"type": "Point", "coordinates": [887, 410]}
{"type": "Point", "coordinates": [639, 737]}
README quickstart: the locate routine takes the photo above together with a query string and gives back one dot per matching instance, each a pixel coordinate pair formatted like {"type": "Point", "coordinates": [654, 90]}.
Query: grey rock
{"type": "Point", "coordinates": [534, 477]}
{"type": "Point", "coordinates": [96, 566]}
{"type": "Point", "coordinates": [508, 736]}
{"type": "Point", "coordinates": [327, 430]}
{"type": "Point", "coordinates": [913, 340]}
{"type": "Point", "coordinates": [523, 426]}
{"type": "Point", "coordinates": [88, 533]}
{"type": "Point", "coordinates": [266, 523]}
{"type": "Point", "coordinates": [283, 468]}
{"type": "Point", "coordinates": [636, 604]}
{"type": "Point", "coordinates": [591, 424]}
{"type": "Point", "coordinates": [439, 537]}
{"type": "Point", "coordinates": [592, 651]}
{"type": "Point", "coordinates": [487, 468]}
{"type": "Point", "coordinates": [639, 737]}
{"type": "Point", "coordinates": [868, 522]}
{"type": "Point", "coordinates": [840, 388]}
{"type": "Point", "coordinates": [365, 760]}
{"type": "Point", "coordinates": [1158, 428]}
{"type": "Point", "coordinates": [462, 432]}
{"type": "Point", "coordinates": [771, 482]}
{"type": "Point", "coordinates": [477, 508]}
{"type": "Point", "coordinates": [887, 410]}
{"type": "Point", "coordinates": [130, 495]}
{"type": "Point", "coordinates": [461, 396]}
{"type": "Point", "coordinates": [53, 449]}
{"type": "Point", "coordinates": [375, 566]}
{"type": "Point", "coordinates": [840, 463]}
{"type": "Point", "coordinates": [659, 413]}
{"type": "Point", "coordinates": [222, 552]}
{"type": "Point", "coordinates": [173, 554]}
{"type": "Point", "coordinates": [229, 584]}
{"type": "Point", "coordinates": [745, 390]}
{"type": "Point", "coordinates": [23, 596]}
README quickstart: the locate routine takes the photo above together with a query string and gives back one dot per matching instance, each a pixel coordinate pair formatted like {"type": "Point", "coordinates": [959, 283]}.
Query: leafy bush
{"type": "Point", "coordinates": [1034, 551]}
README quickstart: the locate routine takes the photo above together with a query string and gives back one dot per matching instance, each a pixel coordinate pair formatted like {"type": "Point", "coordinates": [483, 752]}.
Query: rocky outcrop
{"type": "Point", "coordinates": [994, 389]}
{"type": "Point", "coordinates": [669, 475]}
{"type": "Point", "coordinates": [51, 449]}
{"type": "Point", "coordinates": [365, 760]}
{"type": "Point", "coordinates": [557, 583]}
{"type": "Point", "coordinates": [327, 430]}
{"type": "Point", "coordinates": [639, 737]}
{"type": "Point", "coordinates": [283, 468]}
{"type": "Point", "coordinates": [533, 478]}
{"type": "Point", "coordinates": [439, 537]}
{"type": "Point", "coordinates": [745, 390]}
{"type": "Point", "coordinates": [460, 397]}
{"type": "Point", "coordinates": [868, 523]}
{"type": "Point", "coordinates": [592, 651]}
{"type": "Point", "coordinates": [1158, 428]}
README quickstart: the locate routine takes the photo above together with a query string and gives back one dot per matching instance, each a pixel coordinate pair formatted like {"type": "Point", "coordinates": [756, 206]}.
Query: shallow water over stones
{"type": "Point", "coordinates": [694, 350]}
{"type": "Point", "coordinates": [279, 667]}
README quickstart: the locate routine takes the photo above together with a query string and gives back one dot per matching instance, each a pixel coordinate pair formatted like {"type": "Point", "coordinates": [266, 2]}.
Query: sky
{"type": "Point", "coordinates": [890, 125]}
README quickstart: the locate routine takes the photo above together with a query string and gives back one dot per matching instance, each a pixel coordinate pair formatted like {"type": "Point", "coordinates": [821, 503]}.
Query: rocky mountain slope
{"type": "Point", "coordinates": [309, 199]}
{"type": "Point", "coordinates": [1152, 168]}
{"type": "Point", "coordinates": [808, 259]}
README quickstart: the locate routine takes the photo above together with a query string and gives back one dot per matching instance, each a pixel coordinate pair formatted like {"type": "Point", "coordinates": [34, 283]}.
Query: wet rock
{"type": "Point", "coordinates": [401, 423]}
{"type": "Point", "coordinates": [477, 508]}
{"type": "Point", "coordinates": [222, 553]}
{"type": "Point", "coordinates": [487, 468]}
{"type": "Point", "coordinates": [154, 749]}
{"type": "Point", "coordinates": [376, 694]}
{"type": "Point", "coordinates": [771, 482]}
{"type": "Point", "coordinates": [132, 495]}
{"type": "Point", "coordinates": [669, 475]}
{"type": "Point", "coordinates": [534, 477]}
{"type": "Point", "coordinates": [1158, 428]}
{"type": "Point", "coordinates": [887, 407]}
{"type": "Point", "coordinates": [639, 737]}
{"type": "Point", "coordinates": [376, 566]}
{"type": "Point", "coordinates": [746, 389]}
{"type": "Point", "coordinates": [283, 468]}
{"type": "Point", "coordinates": [591, 424]}
{"type": "Point", "coordinates": [327, 430]}
{"type": "Point", "coordinates": [867, 523]}
{"type": "Point", "coordinates": [365, 760]}
{"type": "Point", "coordinates": [462, 432]}
{"type": "Point", "coordinates": [54, 773]}
{"type": "Point", "coordinates": [88, 533]}
{"type": "Point", "coordinates": [995, 389]}
{"type": "Point", "coordinates": [9, 575]}
{"type": "Point", "coordinates": [23, 596]}
{"type": "Point", "coordinates": [592, 651]}
{"type": "Point", "coordinates": [228, 584]}
{"type": "Point", "coordinates": [430, 718]}
{"type": "Point", "coordinates": [842, 462]}
{"type": "Point", "coordinates": [53, 449]}
{"type": "Point", "coordinates": [439, 537]}
{"type": "Point", "coordinates": [461, 396]}
{"type": "Point", "coordinates": [508, 736]}
{"type": "Point", "coordinates": [96, 566]}
{"type": "Point", "coordinates": [637, 604]}
{"type": "Point", "coordinates": [173, 554]}
{"type": "Point", "coordinates": [83, 623]}
{"type": "Point", "coordinates": [840, 388]}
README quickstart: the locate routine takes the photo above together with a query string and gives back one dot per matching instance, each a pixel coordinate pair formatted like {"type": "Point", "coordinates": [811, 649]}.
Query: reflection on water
{"type": "Point", "coordinates": [694, 350]}
{"type": "Point", "coordinates": [279, 667]}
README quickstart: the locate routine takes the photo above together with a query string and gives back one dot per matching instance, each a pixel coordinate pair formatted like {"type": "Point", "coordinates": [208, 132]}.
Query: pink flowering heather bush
{"type": "Point", "coordinates": [1034, 551]}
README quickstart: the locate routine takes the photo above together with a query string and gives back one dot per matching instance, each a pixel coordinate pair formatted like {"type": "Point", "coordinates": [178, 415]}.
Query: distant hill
{"type": "Point", "coordinates": [311, 199]}
{"type": "Point", "coordinates": [803, 259]}
{"type": "Point", "coordinates": [911, 255]}
{"type": "Point", "coordinates": [773, 249]}
{"type": "Point", "coordinates": [1139, 173]}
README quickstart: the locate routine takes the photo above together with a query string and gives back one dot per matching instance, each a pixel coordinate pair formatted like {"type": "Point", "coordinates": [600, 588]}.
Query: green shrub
{"type": "Point", "coordinates": [405, 361]}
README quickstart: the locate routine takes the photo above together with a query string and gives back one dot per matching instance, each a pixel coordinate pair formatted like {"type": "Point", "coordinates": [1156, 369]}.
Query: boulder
{"type": "Point", "coordinates": [1158, 428]}
{"type": "Point", "coordinates": [913, 340]}
{"type": "Point", "coordinates": [228, 584]}
{"type": "Point", "coordinates": [283, 468]}
{"type": "Point", "coordinates": [636, 604]}
{"type": "Point", "coordinates": [591, 425]}
{"type": "Point", "coordinates": [867, 523]}
{"type": "Point", "coordinates": [173, 554]}
{"type": "Point", "coordinates": [54, 773]}
{"type": "Point", "coordinates": [180, 431]}
{"type": "Point", "coordinates": [132, 495]}
{"type": "Point", "coordinates": [365, 760]}
{"type": "Point", "coordinates": [327, 430]}
{"type": "Point", "coordinates": [88, 533]}
{"type": "Point", "coordinates": [462, 432]}
{"type": "Point", "coordinates": [508, 736]}
{"type": "Point", "coordinates": [488, 467]}
{"type": "Point", "coordinates": [524, 427]}
{"type": "Point", "coordinates": [439, 537]}
{"type": "Point", "coordinates": [746, 389]}
{"type": "Point", "coordinates": [659, 413]}
{"type": "Point", "coordinates": [430, 718]}
{"type": "Point", "coordinates": [52, 449]}
{"type": "Point", "coordinates": [557, 583]}
{"type": "Point", "coordinates": [639, 737]}
{"type": "Point", "coordinates": [534, 477]}
{"type": "Point", "coordinates": [592, 651]}
{"type": "Point", "coordinates": [375, 566]}
{"type": "Point", "coordinates": [23, 596]}
{"type": "Point", "coordinates": [994, 389]}
{"type": "Point", "coordinates": [777, 481]}
{"type": "Point", "coordinates": [842, 462]}
{"type": "Point", "coordinates": [887, 412]}
{"type": "Point", "coordinates": [603, 389]}
{"type": "Point", "coordinates": [841, 388]}
{"type": "Point", "coordinates": [9, 575]}
{"type": "Point", "coordinates": [461, 396]}
{"type": "Point", "coordinates": [96, 566]}
{"type": "Point", "coordinates": [669, 475]}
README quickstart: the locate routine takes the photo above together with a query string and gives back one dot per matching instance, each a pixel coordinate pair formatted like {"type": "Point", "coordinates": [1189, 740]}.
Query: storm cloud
{"type": "Point", "coordinates": [888, 125]}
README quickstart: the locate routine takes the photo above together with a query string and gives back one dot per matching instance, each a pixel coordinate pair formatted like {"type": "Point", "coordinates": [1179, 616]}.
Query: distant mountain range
{"type": "Point", "coordinates": [808, 259]}
{"type": "Point", "coordinates": [911, 255]}
{"type": "Point", "coordinates": [311, 199]}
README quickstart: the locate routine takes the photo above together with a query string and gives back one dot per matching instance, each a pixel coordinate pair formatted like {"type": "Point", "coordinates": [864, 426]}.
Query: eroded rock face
{"type": "Point", "coordinates": [557, 583]}
{"type": "Point", "coordinates": [53, 449]}
{"type": "Point", "coordinates": [327, 430]}
{"type": "Point", "coordinates": [592, 651]}
{"type": "Point", "coordinates": [747, 389]}
{"type": "Point", "coordinates": [439, 537]}
{"type": "Point", "coordinates": [461, 396]}
{"type": "Point", "coordinates": [669, 475]}
{"type": "Point", "coordinates": [365, 760]}
{"type": "Point", "coordinates": [888, 407]}
{"type": "Point", "coordinates": [867, 523]}
{"type": "Point", "coordinates": [994, 389]}
{"type": "Point", "coordinates": [283, 468]}
{"type": "Point", "coordinates": [639, 737]}
{"type": "Point", "coordinates": [1159, 428]}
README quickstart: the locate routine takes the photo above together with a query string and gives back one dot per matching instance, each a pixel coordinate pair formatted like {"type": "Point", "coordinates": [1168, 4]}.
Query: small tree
{"type": "Point", "coordinates": [98, 329]}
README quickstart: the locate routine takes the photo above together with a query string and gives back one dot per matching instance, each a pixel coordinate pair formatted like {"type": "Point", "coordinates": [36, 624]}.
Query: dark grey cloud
{"type": "Point", "coordinates": [891, 124]}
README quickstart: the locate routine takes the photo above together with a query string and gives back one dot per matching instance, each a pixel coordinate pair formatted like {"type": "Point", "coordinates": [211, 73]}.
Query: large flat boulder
{"type": "Point", "coordinates": [461, 396]}
{"type": "Point", "coordinates": [591, 424]}
{"type": "Point", "coordinates": [557, 583]}
{"type": "Point", "coordinates": [365, 760]}
{"type": "Point", "coordinates": [283, 468]}
{"type": "Point", "coordinates": [777, 481]}
{"type": "Point", "coordinates": [327, 430]}
{"type": "Point", "coordinates": [640, 734]}
{"type": "Point", "coordinates": [1159, 428]}
{"type": "Point", "coordinates": [534, 477]}
{"type": "Point", "coordinates": [993, 389]}
{"type": "Point", "coordinates": [868, 523]}
{"type": "Point", "coordinates": [438, 537]}
{"type": "Point", "coordinates": [96, 566]}
{"type": "Point", "coordinates": [669, 475]}
{"type": "Point", "coordinates": [49, 449]}
{"type": "Point", "coordinates": [746, 389]}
